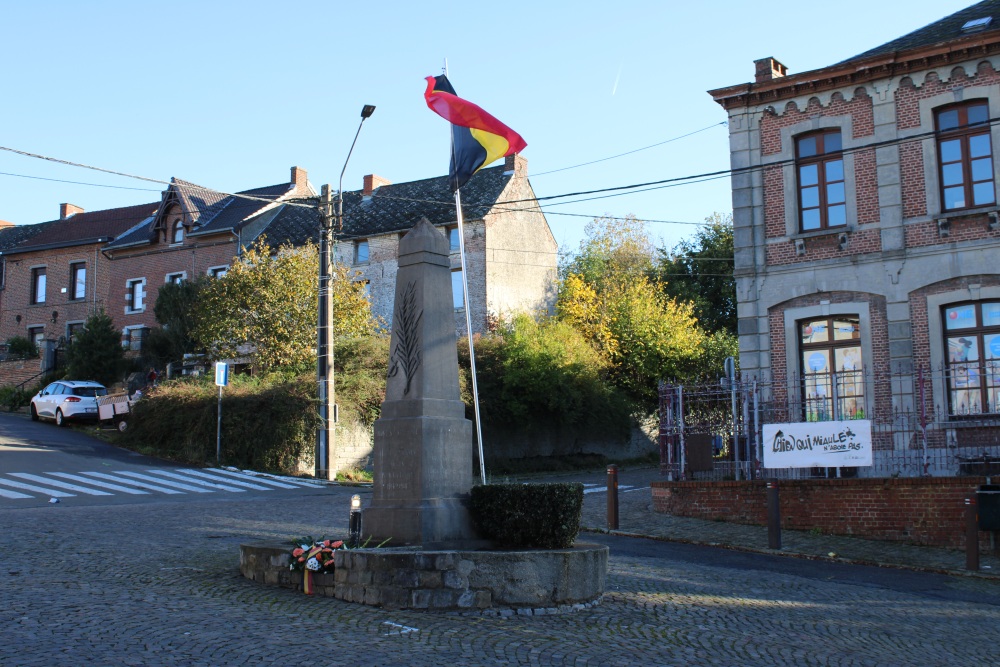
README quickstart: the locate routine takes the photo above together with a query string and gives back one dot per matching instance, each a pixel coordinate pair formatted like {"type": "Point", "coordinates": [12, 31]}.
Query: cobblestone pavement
{"type": "Point", "coordinates": [158, 584]}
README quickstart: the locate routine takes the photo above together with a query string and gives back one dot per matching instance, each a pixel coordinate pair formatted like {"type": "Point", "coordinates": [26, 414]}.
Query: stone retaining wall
{"type": "Point", "coordinates": [530, 581]}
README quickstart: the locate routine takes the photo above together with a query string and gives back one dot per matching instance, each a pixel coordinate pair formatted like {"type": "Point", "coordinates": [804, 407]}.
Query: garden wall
{"type": "Point", "coordinates": [15, 372]}
{"type": "Point", "coordinates": [927, 510]}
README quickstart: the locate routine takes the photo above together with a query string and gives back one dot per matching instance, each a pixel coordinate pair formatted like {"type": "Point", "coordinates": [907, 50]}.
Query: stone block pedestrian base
{"type": "Point", "coordinates": [546, 581]}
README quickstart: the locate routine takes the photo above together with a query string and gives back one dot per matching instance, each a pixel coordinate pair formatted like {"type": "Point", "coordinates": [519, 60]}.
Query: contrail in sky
{"type": "Point", "coordinates": [614, 88]}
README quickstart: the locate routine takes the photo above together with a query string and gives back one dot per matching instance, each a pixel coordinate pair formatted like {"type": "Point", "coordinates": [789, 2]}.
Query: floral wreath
{"type": "Point", "coordinates": [314, 556]}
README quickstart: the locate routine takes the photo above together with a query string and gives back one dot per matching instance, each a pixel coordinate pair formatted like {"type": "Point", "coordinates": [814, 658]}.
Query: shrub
{"type": "Point", "coordinates": [13, 398]}
{"type": "Point", "coordinates": [543, 516]}
{"type": "Point", "coordinates": [268, 423]}
{"type": "Point", "coordinates": [19, 346]}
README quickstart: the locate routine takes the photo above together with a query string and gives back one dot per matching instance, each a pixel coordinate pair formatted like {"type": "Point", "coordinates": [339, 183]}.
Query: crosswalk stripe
{"type": "Point", "coordinates": [36, 489]}
{"type": "Point", "coordinates": [261, 479]}
{"type": "Point", "coordinates": [103, 485]}
{"type": "Point", "coordinates": [188, 480]}
{"type": "Point", "coordinates": [144, 485]}
{"type": "Point", "coordinates": [247, 485]}
{"type": "Point", "coordinates": [4, 493]}
{"type": "Point", "coordinates": [159, 480]}
{"type": "Point", "coordinates": [59, 485]}
{"type": "Point", "coordinates": [599, 488]}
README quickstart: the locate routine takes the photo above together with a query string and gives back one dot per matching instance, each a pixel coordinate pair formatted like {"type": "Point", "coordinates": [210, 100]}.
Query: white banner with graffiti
{"type": "Point", "coordinates": [818, 444]}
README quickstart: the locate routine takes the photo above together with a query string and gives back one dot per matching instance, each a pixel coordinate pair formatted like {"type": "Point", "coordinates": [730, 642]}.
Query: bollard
{"type": "Point", "coordinates": [773, 517]}
{"type": "Point", "coordinates": [971, 535]}
{"type": "Point", "coordinates": [612, 497]}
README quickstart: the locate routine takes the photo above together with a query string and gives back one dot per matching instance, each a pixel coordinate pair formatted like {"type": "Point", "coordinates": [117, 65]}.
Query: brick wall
{"type": "Point", "coordinates": [927, 511]}
{"type": "Point", "coordinates": [13, 373]}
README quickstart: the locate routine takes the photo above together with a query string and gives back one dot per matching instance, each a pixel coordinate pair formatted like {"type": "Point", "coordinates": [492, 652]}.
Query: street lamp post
{"type": "Point", "coordinates": [324, 366]}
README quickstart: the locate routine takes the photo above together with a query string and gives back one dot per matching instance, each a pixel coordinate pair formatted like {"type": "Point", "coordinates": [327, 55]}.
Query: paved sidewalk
{"type": "Point", "coordinates": [636, 517]}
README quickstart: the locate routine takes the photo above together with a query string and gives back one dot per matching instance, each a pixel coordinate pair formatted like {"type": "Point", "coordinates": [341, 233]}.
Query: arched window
{"type": "Point", "coordinates": [965, 155]}
{"type": "Point", "coordinates": [819, 164]}
{"type": "Point", "coordinates": [177, 231]}
{"type": "Point", "coordinates": [972, 341]}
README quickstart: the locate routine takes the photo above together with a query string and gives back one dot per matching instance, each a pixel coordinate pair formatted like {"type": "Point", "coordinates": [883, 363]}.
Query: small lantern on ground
{"type": "Point", "coordinates": [355, 524]}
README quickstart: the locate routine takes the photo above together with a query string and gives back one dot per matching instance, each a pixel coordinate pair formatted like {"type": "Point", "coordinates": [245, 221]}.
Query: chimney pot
{"type": "Point", "coordinates": [373, 183]}
{"type": "Point", "coordinates": [769, 69]}
{"type": "Point", "coordinates": [515, 165]}
{"type": "Point", "coordinates": [68, 210]}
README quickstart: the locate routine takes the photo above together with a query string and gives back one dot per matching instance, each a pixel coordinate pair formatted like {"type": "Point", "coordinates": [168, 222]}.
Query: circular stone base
{"type": "Point", "coordinates": [410, 578]}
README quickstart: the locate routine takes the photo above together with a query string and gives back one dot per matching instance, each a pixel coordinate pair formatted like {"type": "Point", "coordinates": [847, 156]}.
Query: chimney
{"type": "Point", "coordinates": [66, 211]}
{"type": "Point", "coordinates": [300, 178]}
{"type": "Point", "coordinates": [373, 183]}
{"type": "Point", "coordinates": [769, 69]}
{"type": "Point", "coordinates": [515, 165]}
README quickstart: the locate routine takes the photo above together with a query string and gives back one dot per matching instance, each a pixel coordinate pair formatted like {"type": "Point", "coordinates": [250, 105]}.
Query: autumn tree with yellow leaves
{"type": "Point", "coordinates": [264, 308]}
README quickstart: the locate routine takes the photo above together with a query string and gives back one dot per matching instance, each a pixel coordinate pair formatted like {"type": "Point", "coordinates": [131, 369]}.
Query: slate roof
{"type": "Point", "coordinates": [83, 228]}
{"type": "Point", "coordinates": [212, 212]}
{"type": "Point", "coordinates": [394, 208]}
{"type": "Point", "coordinates": [944, 30]}
{"type": "Point", "coordinates": [17, 234]}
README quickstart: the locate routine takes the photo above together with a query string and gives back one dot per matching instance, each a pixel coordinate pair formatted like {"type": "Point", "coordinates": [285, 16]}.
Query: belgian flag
{"type": "Point", "coordinates": [477, 137]}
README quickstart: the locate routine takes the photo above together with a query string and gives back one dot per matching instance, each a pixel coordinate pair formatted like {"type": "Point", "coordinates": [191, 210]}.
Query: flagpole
{"type": "Point", "coordinates": [468, 328]}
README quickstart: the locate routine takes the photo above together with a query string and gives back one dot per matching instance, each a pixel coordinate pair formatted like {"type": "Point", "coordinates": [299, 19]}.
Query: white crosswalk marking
{"type": "Point", "coordinates": [187, 480]}
{"type": "Point", "coordinates": [600, 488]}
{"type": "Point", "coordinates": [255, 478]}
{"type": "Point", "coordinates": [247, 485]}
{"type": "Point", "coordinates": [59, 485]}
{"type": "Point", "coordinates": [172, 481]}
{"type": "Point", "coordinates": [103, 485]}
{"type": "Point", "coordinates": [164, 482]}
{"type": "Point", "coordinates": [36, 489]}
{"type": "Point", "coordinates": [141, 484]}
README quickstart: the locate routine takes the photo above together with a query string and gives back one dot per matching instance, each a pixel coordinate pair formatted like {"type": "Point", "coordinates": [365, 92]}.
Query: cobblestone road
{"type": "Point", "coordinates": [159, 585]}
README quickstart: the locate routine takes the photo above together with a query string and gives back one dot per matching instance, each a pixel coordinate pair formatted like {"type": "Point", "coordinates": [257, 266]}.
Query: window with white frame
{"type": "Point", "coordinates": [77, 281]}
{"type": "Point", "coordinates": [135, 295]}
{"type": "Point", "coordinates": [965, 155]}
{"type": "Point", "coordinates": [133, 337]}
{"type": "Point", "coordinates": [72, 329]}
{"type": "Point", "coordinates": [361, 251]}
{"type": "Point", "coordinates": [176, 278]}
{"type": "Point", "coordinates": [833, 386]}
{"type": "Point", "coordinates": [217, 271]}
{"type": "Point", "coordinates": [457, 290]}
{"type": "Point", "coordinates": [177, 231]}
{"type": "Point", "coordinates": [36, 335]}
{"type": "Point", "coordinates": [38, 285]}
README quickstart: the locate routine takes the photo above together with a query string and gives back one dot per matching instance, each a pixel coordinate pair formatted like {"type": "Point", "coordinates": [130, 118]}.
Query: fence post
{"type": "Point", "coordinates": [612, 497]}
{"type": "Point", "coordinates": [773, 517]}
{"type": "Point", "coordinates": [971, 535]}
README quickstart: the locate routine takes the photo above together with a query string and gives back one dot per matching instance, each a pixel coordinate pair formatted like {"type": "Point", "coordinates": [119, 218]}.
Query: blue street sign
{"type": "Point", "coordinates": [221, 374]}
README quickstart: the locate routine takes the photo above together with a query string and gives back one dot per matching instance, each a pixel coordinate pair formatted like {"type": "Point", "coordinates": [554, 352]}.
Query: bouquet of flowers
{"type": "Point", "coordinates": [314, 555]}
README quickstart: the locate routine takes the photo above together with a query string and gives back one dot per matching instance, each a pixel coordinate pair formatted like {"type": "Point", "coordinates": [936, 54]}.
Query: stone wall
{"type": "Point", "coordinates": [928, 511]}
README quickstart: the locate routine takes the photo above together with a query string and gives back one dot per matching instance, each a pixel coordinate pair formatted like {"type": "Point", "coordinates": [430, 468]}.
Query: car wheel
{"type": "Point", "coordinates": [60, 420]}
{"type": "Point", "coordinates": [34, 413]}
{"type": "Point", "coordinates": [122, 425]}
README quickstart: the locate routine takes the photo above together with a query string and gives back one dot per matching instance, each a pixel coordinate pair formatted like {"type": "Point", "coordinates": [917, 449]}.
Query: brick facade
{"type": "Point", "coordinates": [927, 511]}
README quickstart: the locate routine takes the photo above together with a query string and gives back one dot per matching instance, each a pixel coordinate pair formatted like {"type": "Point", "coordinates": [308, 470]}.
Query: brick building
{"type": "Point", "coordinates": [58, 272]}
{"type": "Point", "coordinates": [866, 223]}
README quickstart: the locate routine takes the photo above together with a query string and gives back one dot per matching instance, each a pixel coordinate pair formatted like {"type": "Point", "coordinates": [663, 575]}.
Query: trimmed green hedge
{"type": "Point", "coordinates": [542, 516]}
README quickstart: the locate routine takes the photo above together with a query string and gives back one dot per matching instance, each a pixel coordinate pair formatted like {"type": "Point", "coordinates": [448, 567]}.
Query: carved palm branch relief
{"type": "Point", "coordinates": [405, 356]}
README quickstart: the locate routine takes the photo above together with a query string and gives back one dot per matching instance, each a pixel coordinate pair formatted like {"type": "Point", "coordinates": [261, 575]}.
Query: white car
{"type": "Point", "coordinates": [67, 400]}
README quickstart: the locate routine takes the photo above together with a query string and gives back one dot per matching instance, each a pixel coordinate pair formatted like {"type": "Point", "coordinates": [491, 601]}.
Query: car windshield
{"type": "Point", "coordinates": [90, 391]}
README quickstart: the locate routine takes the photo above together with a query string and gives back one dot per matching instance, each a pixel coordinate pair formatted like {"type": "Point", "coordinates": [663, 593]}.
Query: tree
{"type": "Point", "coordinates": [96, 352]}
{"type": "Point", "coordinates": [265, 308]}
{"type": "Point", "coordinates": [700, 270]}
{"type": "Point", "coordinates": [176, 304]}
{"type": "Point", "coordinates": [613, 246]}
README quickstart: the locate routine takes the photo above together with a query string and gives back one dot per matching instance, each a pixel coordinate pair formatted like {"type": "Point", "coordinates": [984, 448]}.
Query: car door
{"type": "Point", "coordinates": [43, 402]}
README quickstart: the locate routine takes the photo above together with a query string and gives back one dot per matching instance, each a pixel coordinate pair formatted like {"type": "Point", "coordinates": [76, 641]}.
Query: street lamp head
{"type": "Point", "coordinates": [367, 110]}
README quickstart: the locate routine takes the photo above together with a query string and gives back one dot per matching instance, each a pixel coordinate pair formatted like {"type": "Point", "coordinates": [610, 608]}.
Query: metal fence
{"type": "Point", "coordinates": [714, 431]}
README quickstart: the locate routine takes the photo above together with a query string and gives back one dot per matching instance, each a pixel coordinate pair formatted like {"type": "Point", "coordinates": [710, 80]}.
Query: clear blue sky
{"type": "Point", "coordinates": [229, 95]}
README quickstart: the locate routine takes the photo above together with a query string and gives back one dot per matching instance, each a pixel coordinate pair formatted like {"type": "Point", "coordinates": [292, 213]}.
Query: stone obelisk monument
{"type": "Point", "coordinates": [423, 442]}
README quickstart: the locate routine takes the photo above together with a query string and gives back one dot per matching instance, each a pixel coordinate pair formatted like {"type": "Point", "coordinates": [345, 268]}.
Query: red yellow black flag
{"type": "Point", "coordinates": [477, 137]}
